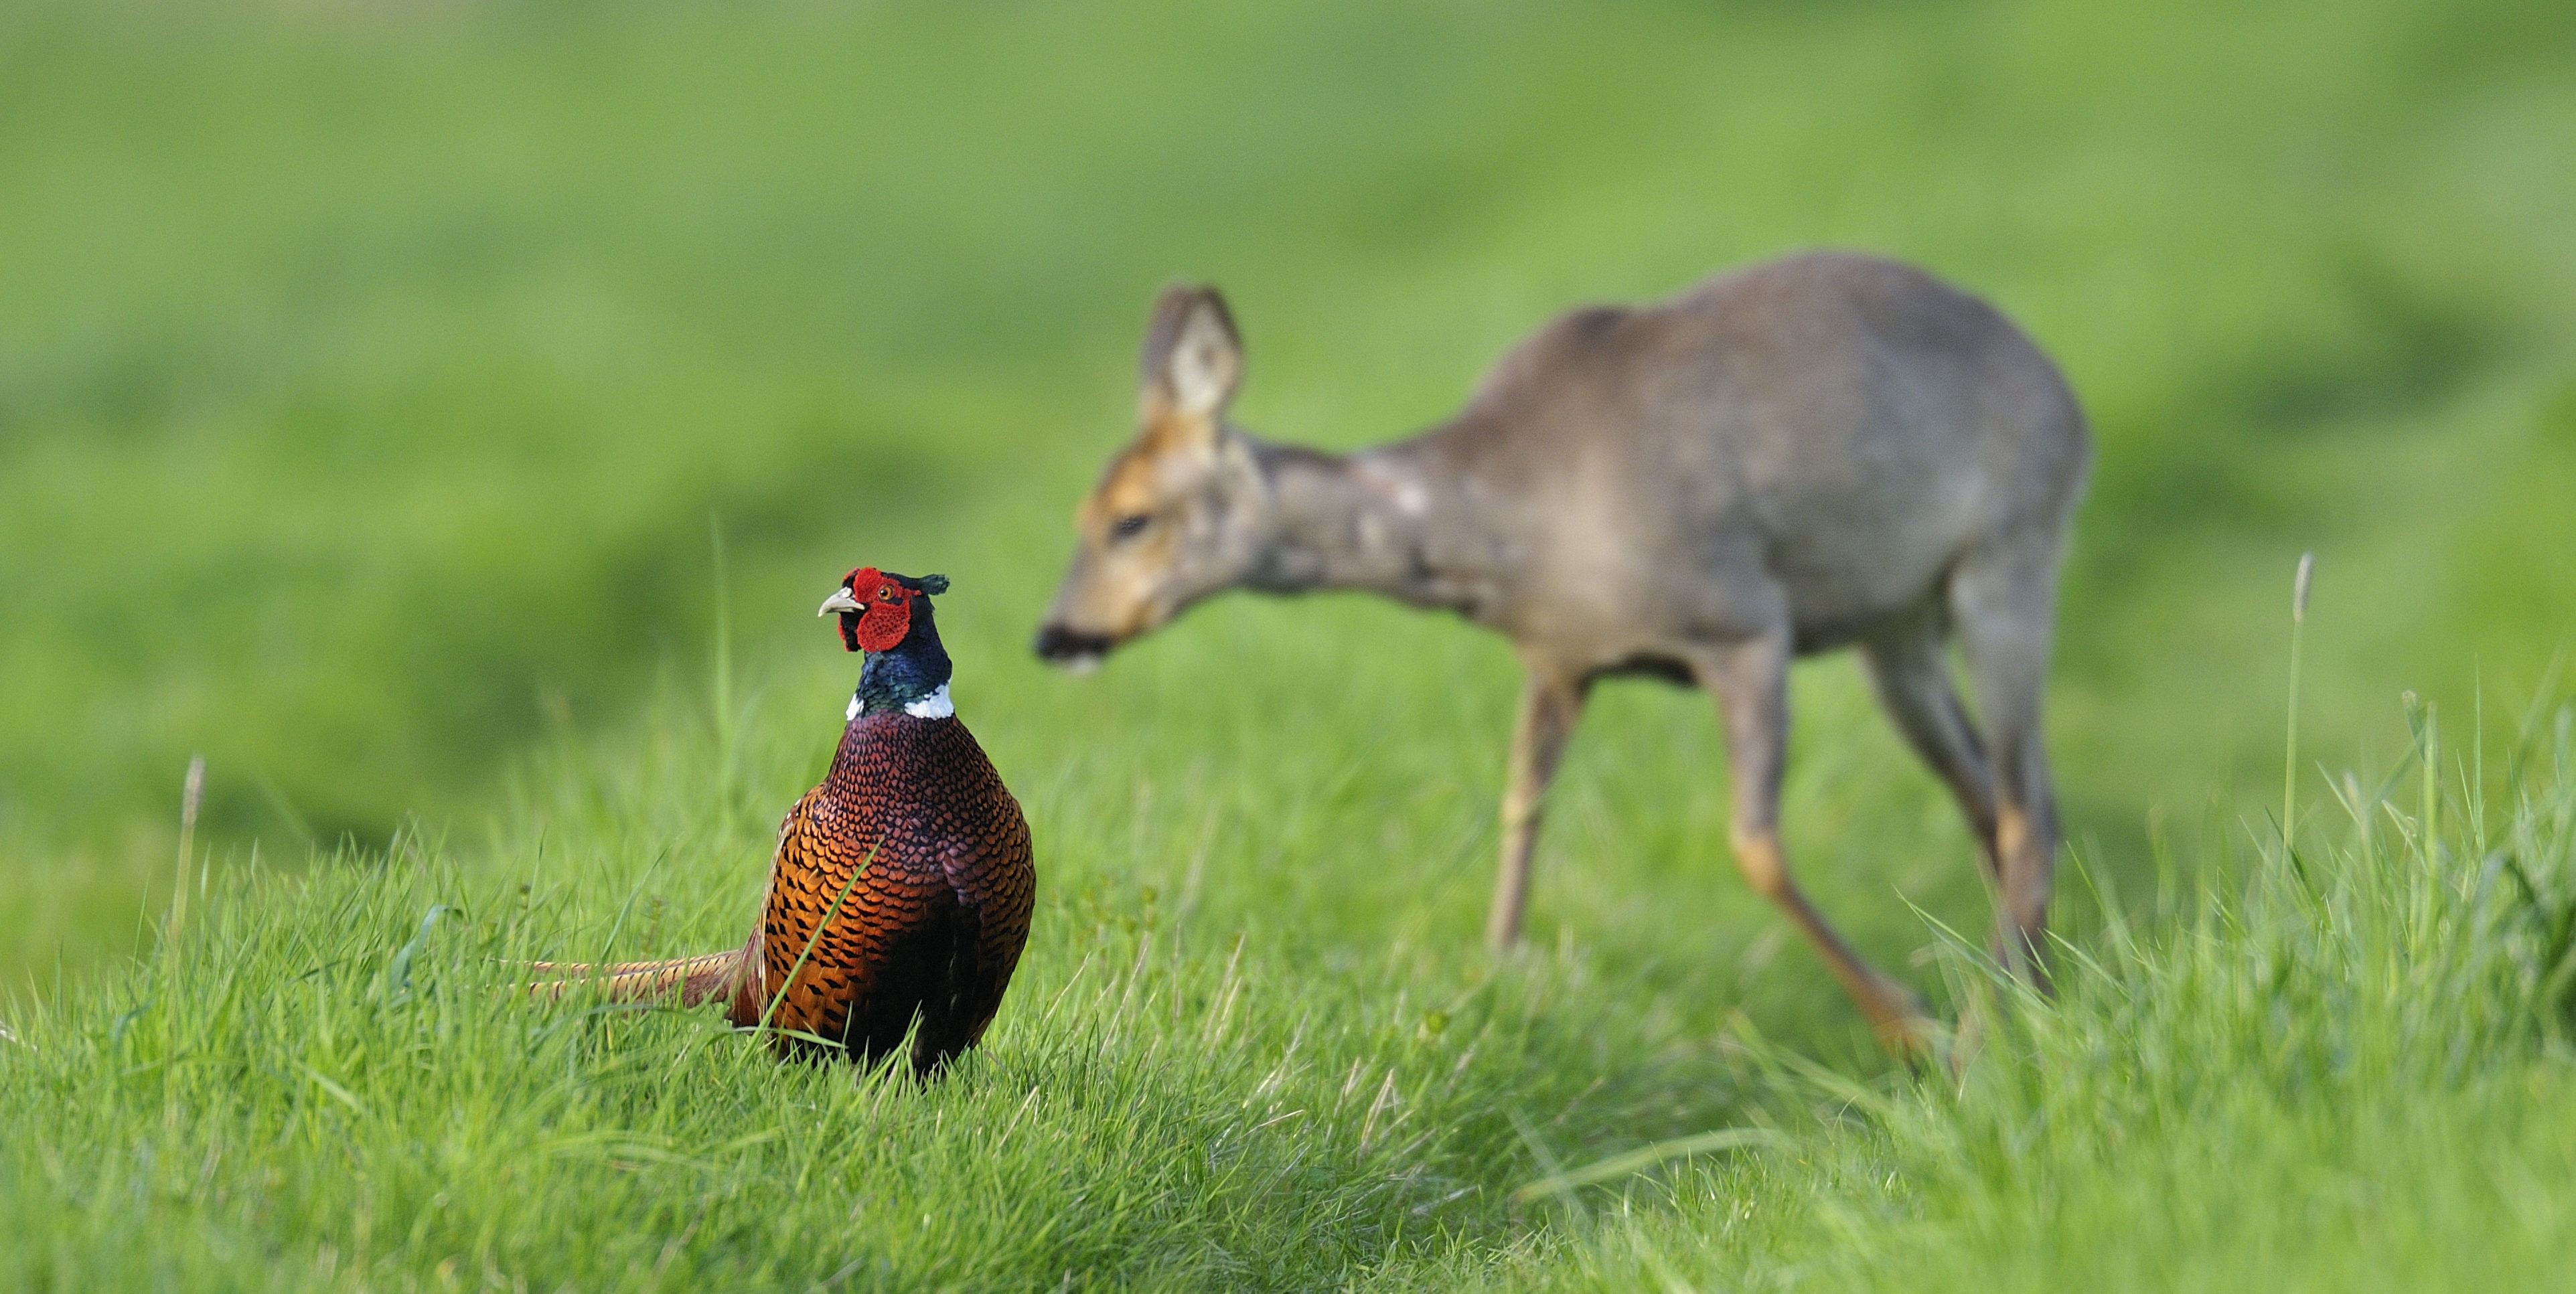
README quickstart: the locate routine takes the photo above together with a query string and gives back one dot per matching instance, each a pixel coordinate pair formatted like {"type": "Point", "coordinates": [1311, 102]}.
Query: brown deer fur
{"type": "Point", "coordinates": [1822, 451]}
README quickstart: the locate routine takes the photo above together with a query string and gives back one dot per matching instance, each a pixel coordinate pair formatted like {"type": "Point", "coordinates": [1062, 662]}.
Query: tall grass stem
{"type": "Point", "coordinates": [2290, 757]}
{"type": "Point", "coordinates": [192, 793]}
{"type": "Point", "coordinates": [723, 680]}
{"type": "Point", "coordinates": [2430, 739]}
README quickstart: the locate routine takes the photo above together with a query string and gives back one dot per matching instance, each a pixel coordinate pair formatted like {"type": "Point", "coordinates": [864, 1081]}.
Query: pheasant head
{"type": "Point", "coordinates": [888, 616]}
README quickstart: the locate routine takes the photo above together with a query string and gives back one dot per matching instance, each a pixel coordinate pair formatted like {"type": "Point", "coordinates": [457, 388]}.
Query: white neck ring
{"type": "Point", "coordinates": [934, 706]}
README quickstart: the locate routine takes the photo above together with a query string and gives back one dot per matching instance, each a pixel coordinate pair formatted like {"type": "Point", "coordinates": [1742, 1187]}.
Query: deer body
{"type": "Point", "coordinates": [1819, 452]}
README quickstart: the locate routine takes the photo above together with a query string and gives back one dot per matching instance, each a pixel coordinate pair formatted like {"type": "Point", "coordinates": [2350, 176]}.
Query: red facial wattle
{"type": "Point", "coordinates": [885, 613]}
{"type": "Point", "coordinates": [883, 626]}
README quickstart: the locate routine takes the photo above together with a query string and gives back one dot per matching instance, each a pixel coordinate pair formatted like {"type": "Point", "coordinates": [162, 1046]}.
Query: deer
{"type": "Point", "coordinates": [1822, 451]}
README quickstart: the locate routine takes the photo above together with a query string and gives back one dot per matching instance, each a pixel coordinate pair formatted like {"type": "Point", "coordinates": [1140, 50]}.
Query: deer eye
{"type": "Point", "coordinates": [1129, 526]}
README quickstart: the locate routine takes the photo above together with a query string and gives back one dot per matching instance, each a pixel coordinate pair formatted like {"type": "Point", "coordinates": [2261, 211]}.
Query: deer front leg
{"type": "Point", "coordinates": [1550, 704]}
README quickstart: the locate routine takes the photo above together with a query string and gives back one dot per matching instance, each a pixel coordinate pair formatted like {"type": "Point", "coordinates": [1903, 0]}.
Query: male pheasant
{"type": "Point", "coordinates": [900, 895]}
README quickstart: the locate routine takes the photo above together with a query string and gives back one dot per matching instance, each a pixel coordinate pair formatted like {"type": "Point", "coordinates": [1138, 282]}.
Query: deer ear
{"type": "Point", "coordinates": [1193, 359]}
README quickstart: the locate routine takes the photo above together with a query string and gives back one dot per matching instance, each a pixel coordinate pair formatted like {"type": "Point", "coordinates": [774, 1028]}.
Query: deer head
{"type": "Point", "coordinates": [1179, 514]}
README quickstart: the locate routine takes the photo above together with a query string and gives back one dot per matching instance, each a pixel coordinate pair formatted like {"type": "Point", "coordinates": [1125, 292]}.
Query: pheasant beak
{"type": "Point", "coordinates": [840, 601]}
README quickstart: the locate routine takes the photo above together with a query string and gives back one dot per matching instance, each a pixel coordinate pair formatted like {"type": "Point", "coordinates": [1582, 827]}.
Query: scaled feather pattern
{"type": "Point", "coordinates": [899, 898]}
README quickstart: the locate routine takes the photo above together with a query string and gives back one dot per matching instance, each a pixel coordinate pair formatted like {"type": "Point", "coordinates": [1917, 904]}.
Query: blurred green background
{"type": "Point", "coordinates": [379, 384]}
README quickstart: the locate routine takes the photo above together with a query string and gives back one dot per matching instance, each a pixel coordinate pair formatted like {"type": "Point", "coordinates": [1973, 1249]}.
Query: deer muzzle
{"type": "Point", "coordinates": [1070, 648]}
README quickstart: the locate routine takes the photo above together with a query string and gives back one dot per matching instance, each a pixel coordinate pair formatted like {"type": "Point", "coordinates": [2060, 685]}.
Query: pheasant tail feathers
{"type": "Point", "coordinates": [700, 979]}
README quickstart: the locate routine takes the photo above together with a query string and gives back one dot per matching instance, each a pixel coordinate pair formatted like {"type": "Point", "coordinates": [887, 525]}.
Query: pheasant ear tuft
{"type": "Point", "coordinates": [934, 584]}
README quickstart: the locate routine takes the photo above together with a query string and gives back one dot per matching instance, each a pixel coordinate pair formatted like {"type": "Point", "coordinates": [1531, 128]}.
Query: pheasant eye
{"type": "Point", "coordinates": [1129, 526]}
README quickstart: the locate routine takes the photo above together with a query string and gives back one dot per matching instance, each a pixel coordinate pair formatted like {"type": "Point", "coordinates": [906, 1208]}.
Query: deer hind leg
{"type": "Point", "coordinates": [1910, 669]}
{"type": "Point", "coordinates": [2003, 601]}
{"type": "Point", "coordinates": [1551, 702]}
{"type": "Point", "coordinates": [1750, 679]}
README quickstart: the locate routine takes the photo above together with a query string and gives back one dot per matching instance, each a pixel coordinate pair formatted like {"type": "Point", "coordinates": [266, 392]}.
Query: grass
{"type": "Point", "coordinates": [2346, 1069]}
{"type": "Point", "coordinates": [378, 389]}
{"type": "Point", "coordinates": [2343, 1071]}
{"type": "Point", "coordinates": [414, 353]}
{"type": "Point", "coordinates": [1186, 1104]}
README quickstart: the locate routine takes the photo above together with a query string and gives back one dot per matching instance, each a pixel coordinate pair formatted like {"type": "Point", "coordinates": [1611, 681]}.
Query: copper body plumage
{"type": "Point", "coordinates": [899, 897]}
{"type": "Point", "coordinates": [933, 923]}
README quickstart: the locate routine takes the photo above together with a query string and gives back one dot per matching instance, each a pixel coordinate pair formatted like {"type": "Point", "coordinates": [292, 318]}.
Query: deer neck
{"type": "Point", "coordinates": [1374, 521]}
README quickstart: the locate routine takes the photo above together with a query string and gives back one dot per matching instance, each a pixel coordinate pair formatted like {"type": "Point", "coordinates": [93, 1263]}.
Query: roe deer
{"type": "Point", "coordinates": [1821, 451]}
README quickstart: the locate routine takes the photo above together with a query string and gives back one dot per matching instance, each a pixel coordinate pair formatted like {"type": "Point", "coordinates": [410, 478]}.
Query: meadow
{"type": "Point", "coordinates": [445, 420]}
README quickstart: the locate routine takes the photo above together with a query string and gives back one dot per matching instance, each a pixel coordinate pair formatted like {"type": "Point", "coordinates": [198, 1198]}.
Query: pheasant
{"type": "Point", "coordinates": [899, 898]}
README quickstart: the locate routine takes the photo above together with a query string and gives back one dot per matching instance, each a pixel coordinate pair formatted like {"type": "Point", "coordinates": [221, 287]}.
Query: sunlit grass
{"type": "Point", "coordinates": [2343, 1071]}
{"type": "Point", "coordinates": [2347, 1071]}
{"type": "Point", "coordinates": [411, 355]}
{"type": "Point", "coordinates": [326, 1080]}
{"type": "Point", "coordinates": [378, 388]}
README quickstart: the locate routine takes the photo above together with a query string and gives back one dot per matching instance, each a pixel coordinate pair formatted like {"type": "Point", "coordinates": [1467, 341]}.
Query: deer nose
{"type": "Point", "coordinates": [1061, 645]}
